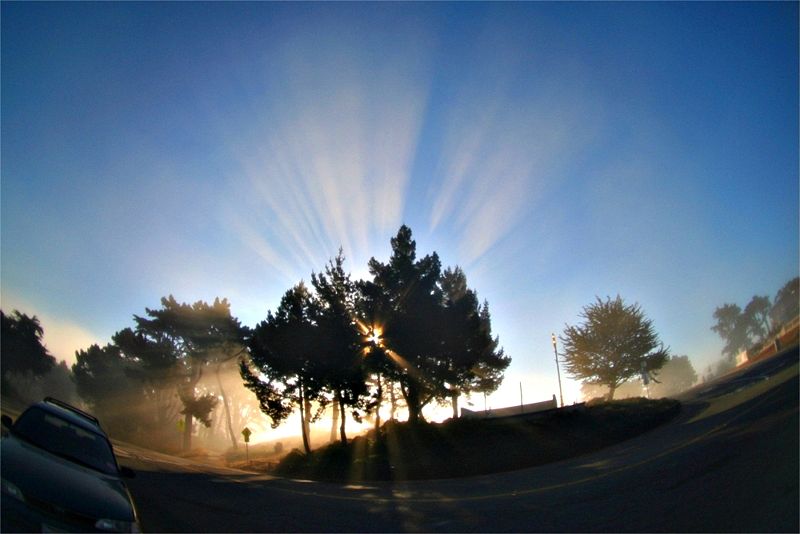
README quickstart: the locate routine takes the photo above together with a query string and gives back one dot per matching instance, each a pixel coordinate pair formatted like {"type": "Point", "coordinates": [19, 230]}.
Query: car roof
{"type": "Point", "coordinates": [71, 414]}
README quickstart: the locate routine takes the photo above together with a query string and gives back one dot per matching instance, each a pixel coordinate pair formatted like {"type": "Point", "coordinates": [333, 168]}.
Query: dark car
{"type": "Point", "coordinates": [59, 474]}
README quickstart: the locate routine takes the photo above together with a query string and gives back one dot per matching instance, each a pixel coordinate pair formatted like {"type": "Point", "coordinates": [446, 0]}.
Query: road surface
{"type": "Point", "coordinates": [728, 463]}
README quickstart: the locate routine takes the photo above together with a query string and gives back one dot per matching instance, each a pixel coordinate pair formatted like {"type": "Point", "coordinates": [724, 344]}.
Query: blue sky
{"type": "Point", "coordinates": [555, 151]}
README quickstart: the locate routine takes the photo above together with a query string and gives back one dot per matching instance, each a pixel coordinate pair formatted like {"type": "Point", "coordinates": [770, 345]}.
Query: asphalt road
{"type": "Point", "coordinates": [728, 463]}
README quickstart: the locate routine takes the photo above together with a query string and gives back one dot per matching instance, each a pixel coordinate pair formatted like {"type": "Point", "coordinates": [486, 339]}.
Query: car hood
{"type": "Point", "coordinates": [46, 477]}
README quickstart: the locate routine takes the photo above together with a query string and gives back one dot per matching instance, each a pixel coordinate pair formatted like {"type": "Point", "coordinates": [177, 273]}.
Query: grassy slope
{"type": "Point", "coordinates": [465, 447]}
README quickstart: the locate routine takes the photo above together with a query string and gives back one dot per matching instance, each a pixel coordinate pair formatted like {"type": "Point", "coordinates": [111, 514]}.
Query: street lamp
{"type": "Point", "coordinates": [555, 351]}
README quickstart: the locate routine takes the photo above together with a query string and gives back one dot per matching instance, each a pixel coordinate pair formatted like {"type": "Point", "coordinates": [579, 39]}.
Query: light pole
{"type": "Point", "coordinates": [555, 351]}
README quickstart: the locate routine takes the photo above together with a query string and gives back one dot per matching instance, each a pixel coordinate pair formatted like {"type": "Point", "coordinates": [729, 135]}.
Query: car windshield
{"type": "Point", "coordinates": [61, 437]}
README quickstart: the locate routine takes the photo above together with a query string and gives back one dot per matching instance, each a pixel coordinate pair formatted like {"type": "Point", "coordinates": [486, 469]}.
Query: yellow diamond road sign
{"type": "Point", "coordinates": [246, 433]}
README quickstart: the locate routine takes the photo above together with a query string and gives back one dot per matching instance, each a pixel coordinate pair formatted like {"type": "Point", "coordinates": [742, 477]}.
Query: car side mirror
{"type": "Point", "coordinates": [126, 472]}
{"type": "Point", "coordinates": [7, 421]}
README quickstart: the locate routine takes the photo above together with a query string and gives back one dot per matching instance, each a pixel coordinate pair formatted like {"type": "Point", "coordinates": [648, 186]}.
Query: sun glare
{"type": "Point", "coordinates": [374, 336]}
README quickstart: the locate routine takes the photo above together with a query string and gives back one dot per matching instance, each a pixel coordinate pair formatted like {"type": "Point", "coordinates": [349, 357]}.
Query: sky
{"type": "Point", "coordinates": [557, 152]}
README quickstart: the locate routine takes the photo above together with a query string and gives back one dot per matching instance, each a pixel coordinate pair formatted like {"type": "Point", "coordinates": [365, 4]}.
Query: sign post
{"type": "Point", "coordinates": [246, 433]}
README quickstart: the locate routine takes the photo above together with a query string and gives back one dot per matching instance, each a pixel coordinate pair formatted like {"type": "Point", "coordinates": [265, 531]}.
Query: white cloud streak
{"type": "Point", "coordinates": [330, 162]}
{"type": "Point", "coordinates": [508, 131]}
{"type": "Point", "coordinates": [494, 177]}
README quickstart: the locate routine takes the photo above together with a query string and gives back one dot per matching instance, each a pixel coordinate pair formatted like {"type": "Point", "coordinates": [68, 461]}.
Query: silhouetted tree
{"type": "Point", "coordinates": [102, 381]}
{"type": "Point", "coordinates": [787, 303]}
{"type": "Point", "coordinates": [743, 329]}
{"type": "Point", "coordinates": [340, 350]}
{"type": "Point", "coordinates": [410, 299]}
{"type": "Point", "coordinates": [154, 365]}
{"type": "Point", "coordinates": [614, 343]}
{"type": "Point", "coordinates": [732, 328]}
{"type": "Point", "coordinates": [373, 310]}
{"type": "Point", "coordinates": [21, 348]}
{"type": "Point", "coordinates": [470, 359]}
{"type": "Point", "coordinates": [493, 362]}
{"type": "Point", "coordinates": [199, 334]}
{"type": "Point", "coordinates": [756, 317]}
{"type": "Point", "coordinates": [436, 338]}
{"type": "Point", "coordinates": [57, 382]}
{"type": "Point", "coordinates": [283, 369]}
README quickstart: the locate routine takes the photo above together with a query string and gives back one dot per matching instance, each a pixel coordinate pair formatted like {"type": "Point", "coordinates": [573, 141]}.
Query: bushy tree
{"type": "Point", "coordinates": [21, 348]}
{"type": "Point", "coordinates": [57, 382]}
{"type": "Point", "coordinates": [154, 367]}
{"type": "Point", "coordinates": [615, 343]}
{"type": "Point", "coordinates": [283, 370]}
{"type": "Point", "coordinates": [199, 334]}
{"type": "Point", "coordinates": [340, 350]}
{"type": "Point", "coordinates": [732, 328]}
{"type": "Point", "coordinates": [436, 341]}
{"type": "Point", "coordinates": [787, 303]}
{"type": "Point", "coordinates": [410, 296]}
{"type": "Point", "coordinates": [742, 329]}
{"type": "Point", "coordinates": [756, 317]}
{"type": "Point", "coordinates": [102, 381]}
{"type": "Point", "coordinates": [470, 359]}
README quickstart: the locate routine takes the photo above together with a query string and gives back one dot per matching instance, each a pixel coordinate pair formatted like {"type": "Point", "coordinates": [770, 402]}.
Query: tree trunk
{"type": "Point", "coordinates": [378, 406]}
{"type": "Point", "coordinates": [303, 420]}
{"type": "Point", "coordinates": [334, 419]}
{"type": "Point", "coordinates": [454, 398]}
{"type": "Point", "coordinates": [342, 420]}
{"type": "Point", "coordinates": [227, 411]}
{"type": "Point", "coordinates": [393, 400]}
{"type": "Point", "coordinates": [188, 419]}
{"type": "Point", "coordinates": [411, 394]}
{"type": "Point", "coordinates": [611, 389]}
{"type": "Point", "coordinates": [307, 403]}
{"type": "Point", "coordinates": [187, 432]}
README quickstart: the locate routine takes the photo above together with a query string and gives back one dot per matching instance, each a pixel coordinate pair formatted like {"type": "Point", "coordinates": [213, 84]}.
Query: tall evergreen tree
{"type": "Point", "coordinates": [470, 359]}
{"type": "Point", "coordinates": [411, 301]}
{"type": "Point", "coordinates": [283, 370]}
{"type": "Point", "coordinates": [341, 350]}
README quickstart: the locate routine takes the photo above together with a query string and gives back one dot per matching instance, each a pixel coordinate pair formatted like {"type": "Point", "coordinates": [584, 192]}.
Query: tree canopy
{"type": "Point", "coordinates": [436, 338]}
{"type": "Point", "coordinates": [731, 327]}
{"type": "Point", "coordinates": [196, 335]}
{"type": "Point", "coordinates": [21, 347]}
{"type": "Point", "coordinates": [283, 352]}
{"type": "Point", "coordinates": [340, 350]}
{"type": "Point", "coordinates": [412, 331]}
{"type": "Point", "coordinates": [349, 342]}
{"type": "Point", "coordinates": [470, 358]}
{"type": "Point", "coordinates": [615, 343]}
{"type": "Point", "coordinates": [787, 303]}
{"type": "Point", "coordinates": [760, 319]}
{"type": "Point", "coordinates": [410, 302]}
